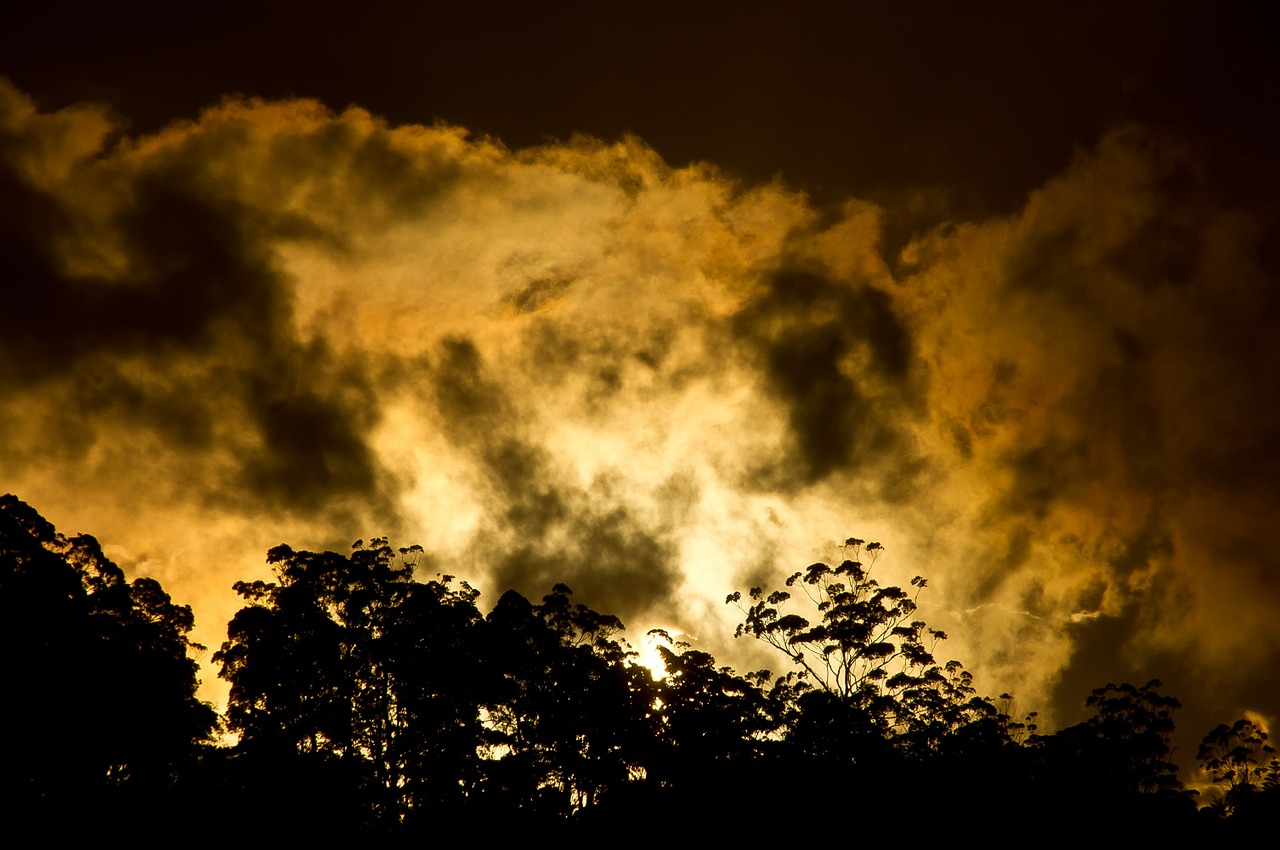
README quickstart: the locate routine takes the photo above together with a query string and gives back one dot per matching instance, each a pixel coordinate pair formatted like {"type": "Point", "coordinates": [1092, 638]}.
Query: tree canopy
{"type": "Point", "coordinates": [369, 701]}
{"type": "Point", "coordinates": [864, 651]}
{"type": "Point", "coordinates": [100, 703]}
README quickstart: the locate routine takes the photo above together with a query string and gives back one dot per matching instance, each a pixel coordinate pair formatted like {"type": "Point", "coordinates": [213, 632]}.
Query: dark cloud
{"type": "Point", "coordinates": [190, 341]}
{"type": "Point", "coordinates": [42, 322]}
{"type": "Point", "coordinates": [838, 358]}
{"type": "Point", "coordinates": [1093, 356]}
{"type": "Point", "coordinates": [312, 415]}
{"type": "Point", "coordinates": [542, 525]}
{"type": "Point", "coordinates": [332, 157]}
{"type": "Point", "coordinates": [190, 270]}
{"type": "Point", "coordinates": [537, 293]}
{"type": "Point", "coordinates": [602, 365]}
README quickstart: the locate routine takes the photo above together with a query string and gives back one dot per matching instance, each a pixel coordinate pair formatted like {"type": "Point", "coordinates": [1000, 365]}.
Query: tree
{"type": "Point", "coordinates": [434, 649]}
{"type": "Point", "coordinates": [1240, 762]}
{"type": "Point", "coordinates": [100, 706]}
{"type": "Point", "coordinates": [352, 666]}
{"type": "Point", "coordinates": [708, 716]}
{"type": "Point", "coordinates": [870, 664]}
{"type": "Point", "coordinates": [1124, 747]}
{"type": "Point", "coordinates": [1114, 772]}
{"type": "Point", "coordinates": [569, 712]}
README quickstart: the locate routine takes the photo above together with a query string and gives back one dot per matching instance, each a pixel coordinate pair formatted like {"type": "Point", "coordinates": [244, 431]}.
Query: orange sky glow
{"type": "Point", "coordinates": [660, 365]}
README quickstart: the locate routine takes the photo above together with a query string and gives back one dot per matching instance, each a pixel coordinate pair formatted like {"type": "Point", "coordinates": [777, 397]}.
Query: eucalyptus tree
{"type": "Point", "coordinates": [870, 678]}
{"type": "Point", "coordinates": [1124, 747]}
{"type": "Point", "coordinates": [1242, 766]}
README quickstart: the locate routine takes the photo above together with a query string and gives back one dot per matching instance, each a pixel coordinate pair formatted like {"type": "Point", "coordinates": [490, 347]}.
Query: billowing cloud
{"type": "Point", "coordinates": [1101, 367]}
{"type": "Point", "coordinates": [575, 363]}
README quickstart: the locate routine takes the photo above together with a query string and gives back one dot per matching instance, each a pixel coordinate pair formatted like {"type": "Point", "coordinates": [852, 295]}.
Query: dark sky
{"type": "Point", "coordinates": [663, 299]}
{"type": "Point", "coordinates": [984, 100]}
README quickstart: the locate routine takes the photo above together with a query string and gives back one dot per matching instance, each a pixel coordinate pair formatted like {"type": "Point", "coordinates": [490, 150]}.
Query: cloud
{"type": "Point", "coordinates": [575, 363]}
{"type": "Point", "coordinates": [839, 360]}
{"type": "Point", "coordinates": [541, 525]}
{"type": "Point", "coordinates": [182, 336]}
{"type": "Point", "coordinates": [1100, 362]}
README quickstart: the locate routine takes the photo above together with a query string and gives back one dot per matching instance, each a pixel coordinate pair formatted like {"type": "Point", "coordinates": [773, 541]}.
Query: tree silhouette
{"type": "Point", "coordinates": [439, 681]}
{"type": "Point", "coordinates": [569, 713]}
{"type": "Point", "coordinates": [707, 714]}
{"type": "Point", "coordinates": [1125, 743]}
{"type": "Point", "coordinates": [1241, 763]}
{"type": "Point", "coordinates": [1115, 771]}
{"type": "Point", "coordinates": [422, 709]}
{"type": "Point", "coordinates": [354, 666]}
{"type": "Point", "coordinates": [869, 663]}
{"type": "Point", "coordinates": [100, 707]}
{"type": "Point", "coordinates": [369, 704]}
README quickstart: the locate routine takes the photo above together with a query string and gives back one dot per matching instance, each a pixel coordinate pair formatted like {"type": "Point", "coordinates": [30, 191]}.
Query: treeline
{"type": "Point", "coordinates": [366, 703]}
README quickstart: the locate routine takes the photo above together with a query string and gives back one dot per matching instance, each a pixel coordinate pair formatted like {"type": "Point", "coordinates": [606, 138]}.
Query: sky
{"type": "Point", "coordinates": [663, 302]}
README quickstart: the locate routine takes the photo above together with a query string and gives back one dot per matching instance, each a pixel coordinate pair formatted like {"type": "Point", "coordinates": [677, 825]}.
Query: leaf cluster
{"type": "Point", "coordinates": [861, 644]}
{"type": "Point", "coordinates": [1240, 762]}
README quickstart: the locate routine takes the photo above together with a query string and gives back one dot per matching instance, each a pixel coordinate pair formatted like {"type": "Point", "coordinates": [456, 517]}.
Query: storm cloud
{"type": "Point", "coordinates": [573, 362]}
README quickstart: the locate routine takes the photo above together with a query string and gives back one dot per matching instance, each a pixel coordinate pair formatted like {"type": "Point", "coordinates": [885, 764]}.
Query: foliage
{"type": "Point", "coordinates": [567, 711]}
{"type": "Point", "coordinates": [708, 715]}
{"type": "Point", "coordinates": [430, 706]}
{"type": "Point", "coordinates": [1240, 762]}
{"type": "Point", "coordinates": [865, 652]}
{"type": "Point", "coordinates": [100, 683]}
{"type": "Point", "coordinates": [1124, 746]}
{"type": "Point", "coordinates": [371, 704]}
{"type": "Point", "coordinates": [349, 658]}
